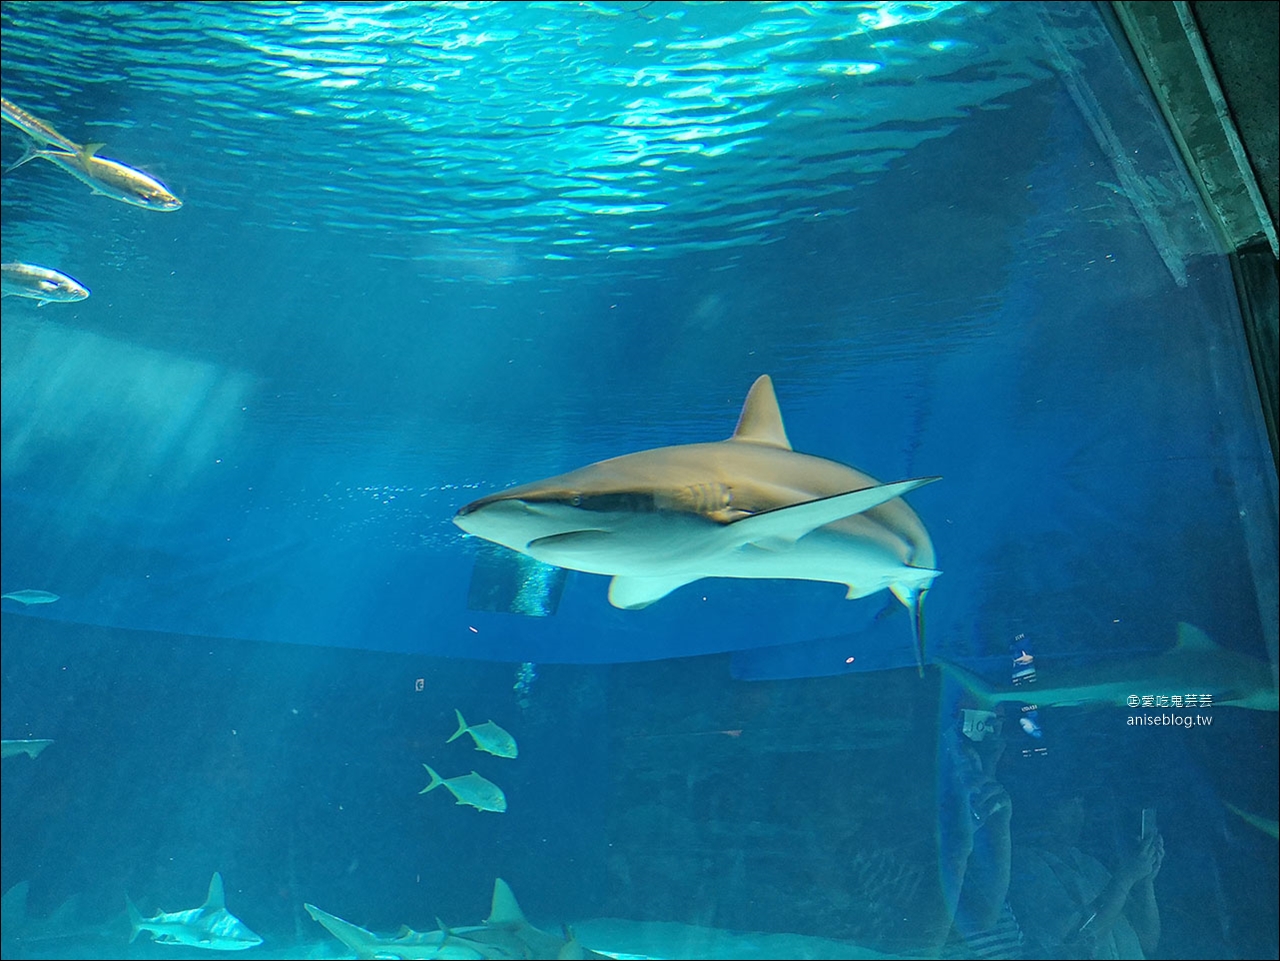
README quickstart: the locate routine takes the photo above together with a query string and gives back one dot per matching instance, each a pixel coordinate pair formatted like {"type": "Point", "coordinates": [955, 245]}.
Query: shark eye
{"type": "Point", "coordinates": [576, 500]}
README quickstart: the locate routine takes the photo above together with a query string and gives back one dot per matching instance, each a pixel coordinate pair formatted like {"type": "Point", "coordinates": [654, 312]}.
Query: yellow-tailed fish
{"type": "Point", "coordinates": [488, 737]}
{"type": "Point", "coordinates": [41, 284]}
{"type": "Point", "coordinates": [108, 177]}
{"type": "Point", "coordinates": [111, 178]}
{"type": "Point", "coordinates": [481, 794]}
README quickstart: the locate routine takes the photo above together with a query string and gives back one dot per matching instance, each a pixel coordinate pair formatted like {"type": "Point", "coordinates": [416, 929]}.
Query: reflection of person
{"type": "Point", "coordinates": [984, 925]}
{"type": "Point", "coordinates": [1070, 906]}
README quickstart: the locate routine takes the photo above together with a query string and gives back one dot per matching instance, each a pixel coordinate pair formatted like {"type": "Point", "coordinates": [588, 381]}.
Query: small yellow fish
{"type": "Point", "coordinates": [481, 794]}
{"type": "Point", "coordinates": [488, 737]}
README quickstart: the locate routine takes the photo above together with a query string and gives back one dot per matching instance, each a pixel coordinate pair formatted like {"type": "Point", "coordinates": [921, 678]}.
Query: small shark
{"type": "Point", "coordinates": [1194, 665]}
{"type": "Point", "coordinates": [209, 926]}
{"type": "Point", "coordinates": [30, 597]}
{"type": "Point", "coordinates": [480, 793]}
{"type": "Point", "coordinates": [1267, 826]}
{"type": "Point", "coordinates": [487, 736]}
{"type": "Point", "coordinates": [748, 507]}
{"type": "Point", "coordinates": [505, 934]}
{"type": "Point", "coordinates": [25, 933]}
{"type": "Point", "coordinates": [31, 749]}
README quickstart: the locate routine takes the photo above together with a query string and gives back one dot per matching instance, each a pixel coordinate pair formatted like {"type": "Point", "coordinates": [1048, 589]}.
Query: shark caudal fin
{"type": "Point", "coordinates": [436, 780]}
{"type": "Point", "coordinates": [135, 918]}
{"type": "Point", "coordinates": [462, 729]}
{"type": "Point", "coordinates": [977, 688]}
{"type": "Point", "coordinates": [352, 935]}
{"type": "Point", "coordinates": [912, 599]}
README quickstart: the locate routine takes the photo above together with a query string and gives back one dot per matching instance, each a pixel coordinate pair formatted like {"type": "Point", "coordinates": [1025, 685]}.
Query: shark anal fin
{"type": "Point", "coordinates": [633, 593]}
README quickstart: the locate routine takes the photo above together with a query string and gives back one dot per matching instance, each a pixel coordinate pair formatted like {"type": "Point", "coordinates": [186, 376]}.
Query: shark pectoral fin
{"type": "Point", "coordinates": [633, 593]}
{"type": "Point", "coordinates": [796, 520]}
{"type": "Point", "coordinates": [568, 545]}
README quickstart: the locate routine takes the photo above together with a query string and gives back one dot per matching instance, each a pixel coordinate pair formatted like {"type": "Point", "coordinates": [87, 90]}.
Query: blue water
{"type": "Point", "coordinates": [429, 251]}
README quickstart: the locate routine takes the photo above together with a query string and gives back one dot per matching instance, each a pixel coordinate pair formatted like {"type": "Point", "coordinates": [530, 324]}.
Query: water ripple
{"type": "Point", "coordinates": [564, 126]}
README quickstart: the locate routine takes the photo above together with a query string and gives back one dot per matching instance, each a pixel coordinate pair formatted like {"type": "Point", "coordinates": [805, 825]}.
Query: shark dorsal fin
{"type": "Point", "coordinates": [217, 899]}
{"type": "Point", "coordinates": [761, 421]}
{"type": "Point", "coordinates": [505, 910]}
{"type": "Point", "coordinates": [1191, 638]}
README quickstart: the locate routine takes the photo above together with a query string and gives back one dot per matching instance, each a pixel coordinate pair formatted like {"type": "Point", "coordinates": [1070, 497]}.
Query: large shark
{"type": "Point", "coordinates": [505, 934]}
{"type": "Point", "coordinates": [1194, 665]}
{"type": "Point", "coordinates": [209, 926]}
{"type": "Point", "coordinates": [749, 506]}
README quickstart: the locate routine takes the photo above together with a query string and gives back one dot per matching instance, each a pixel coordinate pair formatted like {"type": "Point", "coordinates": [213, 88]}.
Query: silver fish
{"type": "Point", "coordinates": [472, 789]}
{"type": "Point", "coordinates": [41, 284]}
{"type": "Point", "coordinates": [488, 737]}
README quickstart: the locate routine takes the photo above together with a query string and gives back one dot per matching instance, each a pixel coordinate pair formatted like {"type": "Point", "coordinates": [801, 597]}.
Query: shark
{"type": "Point", "coordinates": [505, 933]}
{"type": "Point", "coordinates": [1194, 665]}
{"type": "Point", "coordinates": [31, 748]}
{"type": "Point", "coordinates": [749, 506]}
{"type": "Point", "coordinates": [209, 926]}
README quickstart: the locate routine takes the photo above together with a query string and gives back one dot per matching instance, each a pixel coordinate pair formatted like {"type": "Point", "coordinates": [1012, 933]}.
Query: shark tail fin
{"type": "Point", "coordinates": [462, 727]}
{"type": "Point", "coordinates": [356, 938]}
{"type": "Point", "coordinates": [976, 687]}
{"type": "Point", "coordinates": [436, 780]}
{"type": "Point", "coordinates": [913, 600]}
{"type": "Point", "coordinates": [135, 918]}
{"type": "Point", "coordinates": [505, 909]}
